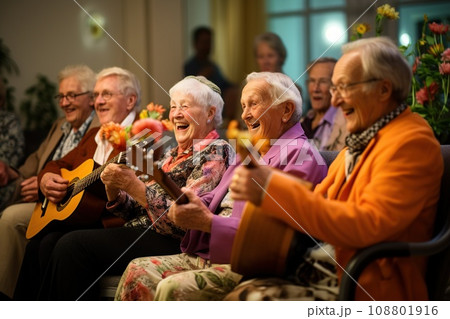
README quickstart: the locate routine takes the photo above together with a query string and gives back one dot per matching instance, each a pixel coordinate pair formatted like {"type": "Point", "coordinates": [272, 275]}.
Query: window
{"type": "Point", "coordinates": [309, 29]}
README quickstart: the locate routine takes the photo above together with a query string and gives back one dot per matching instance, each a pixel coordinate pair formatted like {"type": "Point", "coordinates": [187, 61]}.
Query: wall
{"type": "Point", "coordinates": [46, 35]}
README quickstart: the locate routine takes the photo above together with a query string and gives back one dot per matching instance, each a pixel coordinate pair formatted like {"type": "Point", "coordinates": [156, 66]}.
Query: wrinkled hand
{"type": "Point", "coordinates": [54, 187]}
{"type": "Point", "coordinates": [29, 189]}
{"type": "Point", "coordinates": [247, 183]}
{"type": "Point", "coordinates": [117, 177]}
{"type": "Point", "coordinates": [193, 215]}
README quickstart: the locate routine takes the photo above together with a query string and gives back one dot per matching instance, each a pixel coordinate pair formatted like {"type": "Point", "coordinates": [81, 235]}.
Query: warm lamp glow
{"type": "Point", "coordinates": [405, 39]}
{"type": "Point", "coordinates": [334, 31]}
{"type": "Point", "coordinates": [96, 25]}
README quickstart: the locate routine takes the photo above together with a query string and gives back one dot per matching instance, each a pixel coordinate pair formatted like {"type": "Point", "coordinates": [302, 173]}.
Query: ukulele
{"type": "Point", "coordinates": [263, 245]}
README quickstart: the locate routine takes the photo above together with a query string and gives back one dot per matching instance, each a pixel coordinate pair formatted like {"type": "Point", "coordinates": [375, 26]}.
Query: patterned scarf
{"type": "Point", "coordinates": [357, 142]}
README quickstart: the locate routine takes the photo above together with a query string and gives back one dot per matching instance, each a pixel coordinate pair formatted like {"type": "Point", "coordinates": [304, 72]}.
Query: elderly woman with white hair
{"type": "Point", "coordinates": [198, 162]}
{"type": "Point", "coordinates": [271, 108]}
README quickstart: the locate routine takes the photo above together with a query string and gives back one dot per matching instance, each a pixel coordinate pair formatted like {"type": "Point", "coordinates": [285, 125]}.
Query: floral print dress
{"type": "Point", "coordinates": [198, 169]}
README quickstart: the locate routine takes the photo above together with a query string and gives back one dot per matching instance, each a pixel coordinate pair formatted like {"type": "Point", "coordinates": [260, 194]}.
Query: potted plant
{"type": "Point", "coordinates": [39, 109]}
{"type": "Point", "coordinates": [430, 85]}
{"type": "Point", "coordinates": [431, 80]}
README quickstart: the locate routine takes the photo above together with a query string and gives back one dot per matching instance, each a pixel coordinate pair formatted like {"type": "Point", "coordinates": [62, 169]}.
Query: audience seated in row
{"type": "Point", "coordinates": [185, 254]}
{"type": "Point", "coordinates": [198, 161]}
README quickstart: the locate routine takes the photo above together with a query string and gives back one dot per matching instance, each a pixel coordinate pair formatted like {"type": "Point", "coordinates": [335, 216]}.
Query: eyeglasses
{"type": "Point", "coordinates": [320, 82]}
{"type": "Point", "coordinates": [342, 89]}
{"type": "Point", "coordinates": [69, 96]}
{"type": "Point", "coordinates": [106, 95]}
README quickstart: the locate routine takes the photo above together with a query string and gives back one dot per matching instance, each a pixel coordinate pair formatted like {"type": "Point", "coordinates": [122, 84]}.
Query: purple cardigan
{"type": "Point", "coordinates": [291, 153]}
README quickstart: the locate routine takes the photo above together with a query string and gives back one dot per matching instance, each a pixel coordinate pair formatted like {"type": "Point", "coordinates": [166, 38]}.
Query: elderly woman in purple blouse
{"type": "Point", "coordinates": [271, 109]}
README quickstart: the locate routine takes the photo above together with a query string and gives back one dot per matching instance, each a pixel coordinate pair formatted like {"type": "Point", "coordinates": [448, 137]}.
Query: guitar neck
{"type": "Point", "coordinates": [94, 175]}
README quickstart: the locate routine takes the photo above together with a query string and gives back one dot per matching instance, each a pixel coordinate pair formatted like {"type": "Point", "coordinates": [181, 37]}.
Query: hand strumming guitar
{"type": "Point", "coordinates": [118, 177]}
{"type": "Point", "coordinates": [54, 187]}
{"type": "Point", "coordinates": [193, 215]}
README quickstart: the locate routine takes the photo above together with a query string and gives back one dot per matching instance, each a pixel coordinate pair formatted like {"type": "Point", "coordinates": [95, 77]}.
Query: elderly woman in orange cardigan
{"type": "Point", "coordinates": [384, 186]}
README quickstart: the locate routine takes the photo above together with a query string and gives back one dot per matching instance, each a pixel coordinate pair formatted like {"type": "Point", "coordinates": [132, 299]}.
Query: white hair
{"type": "Point", "coordinates": [129, 83]}
{"type": "Point", "coordinates": [202, 92]}
{"type": "Point", "coordinates": [282, 89]}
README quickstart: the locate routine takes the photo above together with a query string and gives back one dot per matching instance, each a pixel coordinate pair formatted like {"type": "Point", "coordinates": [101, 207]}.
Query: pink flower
{"type": "Point", "coordinates": [148, 123]}
{"type": "Point", "coordinates": [446, 55]}
{"type": "Point", "coordinates": [444, 68]}
{"type": "Point", "coordinates": [426, 94]}
{"type": "Point", "coordinates": [438, 28]}
{"type": "Point", "coordinates": [421, 96]}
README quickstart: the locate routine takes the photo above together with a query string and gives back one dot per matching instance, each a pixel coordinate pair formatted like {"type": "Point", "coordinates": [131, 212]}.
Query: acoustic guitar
{"type": "Point", "coordinates": [82, 208]}
{"type": "Point", "coordinates": [263, 245]}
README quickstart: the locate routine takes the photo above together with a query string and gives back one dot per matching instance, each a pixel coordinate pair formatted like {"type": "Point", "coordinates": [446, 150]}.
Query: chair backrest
{"type": "Point", "coordinates": [438, 269]}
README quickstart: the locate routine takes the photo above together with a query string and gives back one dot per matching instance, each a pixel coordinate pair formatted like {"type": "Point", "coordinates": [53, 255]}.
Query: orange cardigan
{"type": "Point", "coordinates": [391, 195]}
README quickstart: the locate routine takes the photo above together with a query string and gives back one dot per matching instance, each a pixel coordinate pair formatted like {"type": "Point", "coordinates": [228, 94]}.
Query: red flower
{"type": "Point", "coordinates": [438, 28]}
{"type": "Point", "coordinates": [426, 94]}
{"type": "Point", "coordinates": [421, 96]}
{"type": "Point", "coordinates": [155, 261]}
{"type": "Point", "coordinates": [444, 68]}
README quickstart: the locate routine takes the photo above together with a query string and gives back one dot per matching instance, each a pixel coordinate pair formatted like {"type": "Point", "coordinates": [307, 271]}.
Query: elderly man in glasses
{"type": "Point", "coordinates": [384, 186]}
{"type": "Point", "coordinates": [323, 124]}
{"type": "Point", "coordinates": [116, 95]}
{"type": "Point", "coordinates": [75, 86]}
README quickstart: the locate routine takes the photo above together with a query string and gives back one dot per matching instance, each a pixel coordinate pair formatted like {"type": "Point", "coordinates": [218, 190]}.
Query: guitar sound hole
{"type": "Point", "coordinates": [63, 203]}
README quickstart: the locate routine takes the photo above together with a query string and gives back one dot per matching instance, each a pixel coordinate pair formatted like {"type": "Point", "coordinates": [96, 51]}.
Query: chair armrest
{"type": "Point", "coordinates": [367, 255]}
{"type": "Point", "coordinates": [364, 257]}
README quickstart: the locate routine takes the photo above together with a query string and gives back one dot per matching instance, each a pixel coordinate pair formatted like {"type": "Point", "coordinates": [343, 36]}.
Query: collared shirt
{"type": "Point", "coordinates": [322, 132]}
{"type": "Point", "coordinates": [71, 138]}
{"type": "Point", "coordinates": [104, 148]}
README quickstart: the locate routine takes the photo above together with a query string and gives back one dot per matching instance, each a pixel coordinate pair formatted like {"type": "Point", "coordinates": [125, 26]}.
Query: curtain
{"type": "Point", "coordinates": [235, 24]}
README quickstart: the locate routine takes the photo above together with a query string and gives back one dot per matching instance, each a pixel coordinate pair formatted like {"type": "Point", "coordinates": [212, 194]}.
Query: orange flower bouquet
{"type": "Point", "coordinates": [150, 118]}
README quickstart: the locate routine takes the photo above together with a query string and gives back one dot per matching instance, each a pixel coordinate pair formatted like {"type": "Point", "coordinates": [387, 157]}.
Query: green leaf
{"type": "Point", "coordinates": [201, 282]}
{"type": "Point", "coordinates": [429, 80]}
{"type": "Point", "coordinates": [228, 283]}
{"type": "Point", "coordinates": [430, 40]}
{"type": "Point", "coordinates": [214, 279]}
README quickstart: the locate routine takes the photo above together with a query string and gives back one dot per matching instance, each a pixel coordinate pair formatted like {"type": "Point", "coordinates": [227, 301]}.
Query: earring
{"type": "Point", "coordinates": [208, 121]}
